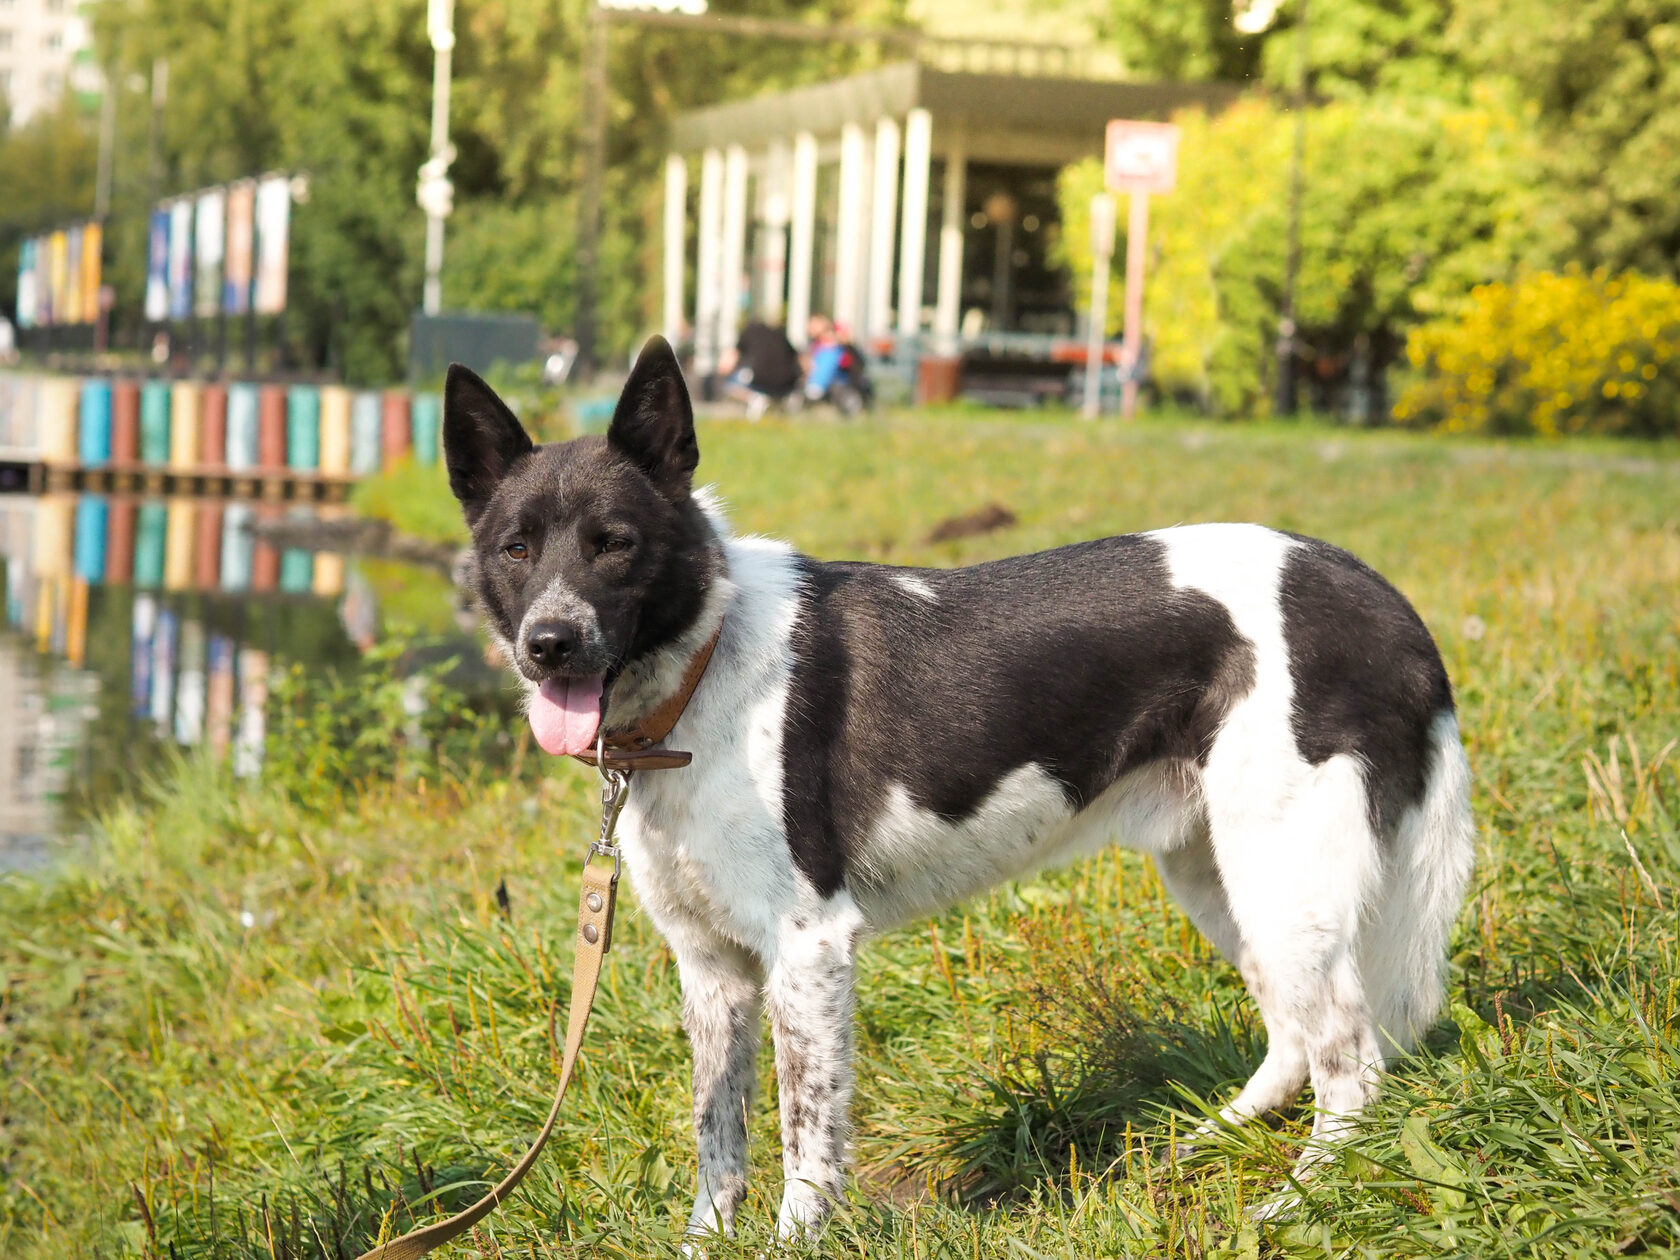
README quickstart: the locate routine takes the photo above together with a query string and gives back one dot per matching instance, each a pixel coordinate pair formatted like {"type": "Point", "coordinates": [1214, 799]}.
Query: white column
{"type": "Point", "coordinates": [948, 308]}
{"type": "Point", "coordinates": [676, 231]}
{"type": "Point", "coordinates": [912, 248]}
{"type": "Point", "coordinates": [883, 232]}
{"type": "Point", "coordinates": [804, 235]}
{"type": "Point", "coordinates": [706, 279]}
{"type": "Point", "coordinates": [773, 214]}
{"type": "Point", "coordinates": [852, 227]}
{"type": "Point", "coordinates": [734, 253]}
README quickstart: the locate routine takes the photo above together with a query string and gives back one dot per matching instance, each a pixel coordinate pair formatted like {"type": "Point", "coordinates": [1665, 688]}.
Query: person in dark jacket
{"type": "Point", "coordinates": [762, 369]}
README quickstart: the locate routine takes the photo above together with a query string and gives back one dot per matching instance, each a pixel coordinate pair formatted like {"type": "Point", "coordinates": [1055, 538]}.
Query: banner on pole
{"type": "Point", "coordinates": [274, 209]}
{"type": "Point", "coordinates": [93, 250]}
{"type": "Point", "coordinates": [157, 268]}
{"type": "Point", "coordinates": [209, 209]}
{"type": "Point", "coordinates": [1141, 157]}
{"type": "Point", "coordinates": [26, 294]}
{"type": "Point", "coordinates": [241, 232]}
{"type": "Point", "coordinates": [58, 259]}
{"type": "Point", "coordinates": [180, 259]}
{"type": "Point", "coordinates": [43, 281]}
{"type": "Point", "coordinates": [70, 299]}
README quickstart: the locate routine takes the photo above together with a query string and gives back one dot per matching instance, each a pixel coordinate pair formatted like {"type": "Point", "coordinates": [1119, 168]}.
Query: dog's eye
{"type": "Point", "coordinates": [516, 551]}
{"type": "Point", "coordinates": [607, 544]}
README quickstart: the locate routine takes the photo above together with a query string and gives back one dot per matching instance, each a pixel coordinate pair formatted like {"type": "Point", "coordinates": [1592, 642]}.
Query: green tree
{"type": "Point", "coordinates": [1354, 47]}
{"type": "Point", "coordinates": [1184, 39]}
{"type": "Point", "coordinates": [1409, 206]}
{"type": "Point", "coordinates": [341, 89]}
{"type": "Point", "coordinates": [1604, 76]}
{"type": "Point", "coordinates": [47, 172]}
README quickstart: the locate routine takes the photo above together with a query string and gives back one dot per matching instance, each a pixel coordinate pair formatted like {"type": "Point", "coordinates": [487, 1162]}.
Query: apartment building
{"type": "Point", "coordinates": [45, 48]}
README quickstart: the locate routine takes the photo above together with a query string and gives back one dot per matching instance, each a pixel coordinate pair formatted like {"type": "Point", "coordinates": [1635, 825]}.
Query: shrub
{"type": "Point", "coordinates": [332, 733]}
{"type": "Point", "coordinates": [1552, 353]}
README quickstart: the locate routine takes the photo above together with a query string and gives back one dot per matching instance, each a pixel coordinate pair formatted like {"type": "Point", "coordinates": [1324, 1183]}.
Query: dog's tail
{"type": "Point", "coordinates": [1403, 943]}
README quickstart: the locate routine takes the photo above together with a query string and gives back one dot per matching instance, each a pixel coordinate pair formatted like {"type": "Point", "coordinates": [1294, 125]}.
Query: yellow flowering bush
{"type": "Point", "coordinates": [1552, 353]}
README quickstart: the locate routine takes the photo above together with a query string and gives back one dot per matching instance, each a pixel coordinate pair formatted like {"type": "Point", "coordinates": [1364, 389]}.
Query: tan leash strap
{"type": "Point", "coordinates": [595, 916]}
{"type": "Point", "coordinates": [613, 758]}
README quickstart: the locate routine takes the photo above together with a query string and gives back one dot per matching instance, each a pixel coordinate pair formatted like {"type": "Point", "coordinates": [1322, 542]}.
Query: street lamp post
{"type": "Point", "coordinates": [1252, 17]}
{"type": "Point", "coordinates": [434, 191]}
{"type": "Point", "coordinates": [594, 175]}
{"type": "Point", "coordinates": [1285, 402]}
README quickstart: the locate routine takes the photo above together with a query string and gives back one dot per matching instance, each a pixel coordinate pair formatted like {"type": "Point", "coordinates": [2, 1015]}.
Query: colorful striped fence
{"type": "Point", "coordinates": [94, 445]}
{"type": "Point", "coordinates": [125, 424]}
{"type": "Point", "coordinates": [154, 423]}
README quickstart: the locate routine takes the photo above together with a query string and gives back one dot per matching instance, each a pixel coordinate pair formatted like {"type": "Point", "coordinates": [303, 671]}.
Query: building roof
{"type": "Point", "coordinates": [996, 117]}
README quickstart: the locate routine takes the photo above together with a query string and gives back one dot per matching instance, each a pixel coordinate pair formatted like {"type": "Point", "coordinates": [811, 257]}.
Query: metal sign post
{"type": "Point", "coordinates": [1139, 158]}
{"type": "Point", "coordinates": [1131, 348]}
{"type": "Point", "coordinates": [1102, 250]}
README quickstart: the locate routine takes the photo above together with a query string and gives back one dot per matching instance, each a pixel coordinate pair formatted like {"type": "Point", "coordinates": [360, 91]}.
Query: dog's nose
{"type": "Point", "coordinates": [549, 643]}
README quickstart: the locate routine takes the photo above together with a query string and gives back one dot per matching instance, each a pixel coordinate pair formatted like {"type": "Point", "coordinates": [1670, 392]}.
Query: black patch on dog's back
{"type": "Point", "coordinates": [1368, 679]}
{"type": "Point", "coordinates": [1085, 660]}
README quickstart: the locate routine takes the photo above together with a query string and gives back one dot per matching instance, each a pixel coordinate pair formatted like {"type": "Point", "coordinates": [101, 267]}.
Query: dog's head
{"type": "Point", "coordinates": [588, 554]}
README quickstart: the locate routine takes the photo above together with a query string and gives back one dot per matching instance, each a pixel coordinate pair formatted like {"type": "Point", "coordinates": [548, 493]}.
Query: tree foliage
{"type": "Point", "coordinates": [1353, 47]}
{"type": "Point", "coordinates": [1409, 207]}
{"type": "Point", "coordinates": [341, 90]}
{"type": "Point", "coordinates": [1191, 39]}
{"type": "Point", "coordinates": [1604, 77]}
{"type": "Point", "coordinates": [1451, 142]}
{"type": "Point", "coordinates": [46, 178]}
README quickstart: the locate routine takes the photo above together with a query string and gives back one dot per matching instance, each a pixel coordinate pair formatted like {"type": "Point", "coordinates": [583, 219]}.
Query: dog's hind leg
{"type": "Point", "coordinates": [722, 1002]}
{"type": "Point", "coordinates": [1191, 874]}
{"type": "Point", "coordinates": [1299, 869]}
{"type": "Point", "coordinates": [811, 1001]}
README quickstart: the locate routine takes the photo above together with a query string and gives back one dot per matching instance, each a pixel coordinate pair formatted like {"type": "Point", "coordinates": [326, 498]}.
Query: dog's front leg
{"type": "Point", "coordinates": [722, 1000]}
{"type": "Point", "coordinates": [811, 1003]}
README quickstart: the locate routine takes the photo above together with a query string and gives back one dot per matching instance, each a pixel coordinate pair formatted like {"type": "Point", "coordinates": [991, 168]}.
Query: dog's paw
{"type": "Point", "coordinates": [1280, 1207]}
{"type": "Point", "coordinates": [703, 1229]}
{"type": "Point", "coordinates": [805, 1209]}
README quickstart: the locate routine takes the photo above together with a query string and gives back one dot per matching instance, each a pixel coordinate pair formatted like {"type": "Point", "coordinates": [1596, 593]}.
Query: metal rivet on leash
{"type": "Point", "coordinates": [595, 902]}
{"type": "Point", "coordinates": [591, 933]}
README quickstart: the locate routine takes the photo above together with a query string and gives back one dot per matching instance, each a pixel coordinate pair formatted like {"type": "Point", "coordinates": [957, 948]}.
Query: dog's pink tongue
{"type": "Point", "coordinates": [565, 713]}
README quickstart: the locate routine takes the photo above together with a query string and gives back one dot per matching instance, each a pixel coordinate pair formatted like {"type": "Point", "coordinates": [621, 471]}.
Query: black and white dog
{"type": "Point", "coordinates": [1261, 713]}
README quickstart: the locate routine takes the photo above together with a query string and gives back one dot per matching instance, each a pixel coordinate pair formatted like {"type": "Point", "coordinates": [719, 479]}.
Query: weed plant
{"type": "Point", "coordinates": [288, 1017]}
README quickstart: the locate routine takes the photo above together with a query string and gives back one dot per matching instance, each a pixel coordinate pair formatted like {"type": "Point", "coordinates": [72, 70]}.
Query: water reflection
{"type": "Point", "coordinates": [133, 624]}
{"type": "Point", "coordinates": [43, 715]}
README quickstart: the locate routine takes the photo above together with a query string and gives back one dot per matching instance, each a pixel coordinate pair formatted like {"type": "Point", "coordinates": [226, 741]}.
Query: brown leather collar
{"type": "Point", "coordinates": [637, 748]}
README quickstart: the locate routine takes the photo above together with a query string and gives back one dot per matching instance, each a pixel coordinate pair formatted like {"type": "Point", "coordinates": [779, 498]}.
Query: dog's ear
{"type": "Point", "coordinates": [653, 425]}
{"type": "Point", "coordinates": [481, 439]}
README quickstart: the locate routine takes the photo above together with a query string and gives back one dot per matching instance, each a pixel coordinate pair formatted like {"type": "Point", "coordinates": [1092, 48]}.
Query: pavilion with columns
{"type": "Point", "coordinates": [914, 205]}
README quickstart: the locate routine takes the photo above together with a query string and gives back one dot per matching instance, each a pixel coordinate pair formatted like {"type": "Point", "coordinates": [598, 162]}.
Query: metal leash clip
{"type": "Point", "coordinates": [615, 790]}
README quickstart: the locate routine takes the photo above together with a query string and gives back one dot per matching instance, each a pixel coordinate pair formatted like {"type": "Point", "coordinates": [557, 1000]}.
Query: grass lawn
{"type": "Point", "coordinates": [258, 1014]}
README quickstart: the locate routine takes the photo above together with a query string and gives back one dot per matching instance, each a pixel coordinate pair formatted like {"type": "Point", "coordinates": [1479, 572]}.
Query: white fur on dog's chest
{"type": "Point", "coordinates": [693, 867]}
{"type": "Point", "coordinates": [705, 844]}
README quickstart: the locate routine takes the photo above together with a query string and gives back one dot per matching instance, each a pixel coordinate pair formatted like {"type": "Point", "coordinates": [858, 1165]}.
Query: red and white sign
{"type": "Point", "coordinates": [1141, 157]}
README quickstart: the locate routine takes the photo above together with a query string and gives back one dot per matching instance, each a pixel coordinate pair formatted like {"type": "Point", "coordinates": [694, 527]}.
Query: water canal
{"type": "Point", "coordinates": [136, 627]}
